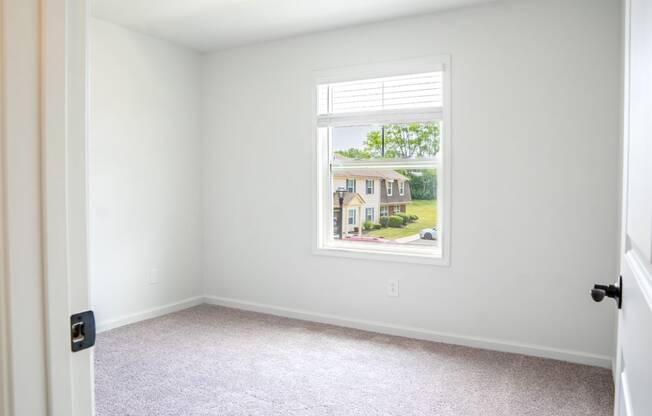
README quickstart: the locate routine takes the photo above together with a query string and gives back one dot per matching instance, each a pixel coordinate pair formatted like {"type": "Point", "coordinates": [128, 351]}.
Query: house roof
{"type": "Point", "coordinates": [349, 198]}
{"type": "Point", "coordinates": [387, 174]}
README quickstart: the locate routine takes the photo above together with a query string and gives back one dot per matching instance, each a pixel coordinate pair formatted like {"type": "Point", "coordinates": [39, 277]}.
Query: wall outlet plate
{"type": "Point", "coordinates": [392, 288]}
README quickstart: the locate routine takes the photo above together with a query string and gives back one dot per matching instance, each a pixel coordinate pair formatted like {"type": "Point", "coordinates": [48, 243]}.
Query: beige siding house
{"type": "Point", "coordinates": [370, 195]}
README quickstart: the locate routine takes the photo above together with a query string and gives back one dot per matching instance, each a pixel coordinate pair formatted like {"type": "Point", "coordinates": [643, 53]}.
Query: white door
{"type": "Point", "coordinates": [64, 72]}
{"type": "Point", "coordinates": [633, 374]}
{"type": "Point", "coordinates": [43, 197]}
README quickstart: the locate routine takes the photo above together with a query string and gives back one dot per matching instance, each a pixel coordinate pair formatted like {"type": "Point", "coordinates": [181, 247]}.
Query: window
{"type": "Point", "coordinates": [350, 185]}
{"type": "Point", "coordinates": [370, 186]}
{"type": "Point", "coordinates": [385, 123]}
{"type": "Point", "coordinates": [369, 214]}
{"type": "Point", "coordinates": [352, 213]}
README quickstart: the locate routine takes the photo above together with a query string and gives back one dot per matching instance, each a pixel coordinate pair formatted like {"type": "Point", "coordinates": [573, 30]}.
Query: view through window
{"type": "Point", "coordinates": [382, 139]}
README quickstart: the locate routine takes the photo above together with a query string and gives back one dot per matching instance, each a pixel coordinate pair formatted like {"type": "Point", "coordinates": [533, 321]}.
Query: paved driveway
{"type": "Point", "coordinates": [416, 240]}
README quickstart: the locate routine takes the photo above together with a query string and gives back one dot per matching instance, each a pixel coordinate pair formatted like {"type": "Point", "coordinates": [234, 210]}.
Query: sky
{"type": "Point", "coordinates": [345, 138]}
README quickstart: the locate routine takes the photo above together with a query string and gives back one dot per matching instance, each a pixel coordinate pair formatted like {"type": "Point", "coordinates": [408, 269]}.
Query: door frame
{"type": "Point", "coordinates": [43, 100]}
{"type": "Point", "coordinates": [5, 379]}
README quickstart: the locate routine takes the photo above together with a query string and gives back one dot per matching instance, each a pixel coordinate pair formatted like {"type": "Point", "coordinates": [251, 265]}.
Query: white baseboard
{"type": "Point", "coordinates": [148, 313]}
{"type": "Point", "coordinates": [578, 357]}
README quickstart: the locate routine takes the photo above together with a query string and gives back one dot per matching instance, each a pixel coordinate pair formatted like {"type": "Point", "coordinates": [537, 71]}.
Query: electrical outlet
{"type": "Point", "coordinates": [153, 276]}
{"type": "Point", "coordinates": [392, 288]}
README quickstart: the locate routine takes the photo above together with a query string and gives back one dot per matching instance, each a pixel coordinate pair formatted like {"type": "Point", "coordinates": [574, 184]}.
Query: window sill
{"type": "Point", "coordinates": [435, 258]}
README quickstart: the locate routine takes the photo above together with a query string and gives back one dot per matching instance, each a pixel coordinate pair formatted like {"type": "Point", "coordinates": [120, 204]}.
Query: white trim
{"type": "Point", "coordinates": [374, 164]}
{"type": "Point", "coordinates": [340, 249]}
{"type": "Point", "coordinates": [624, 393]}
{"type": "Point", "coordinates": [24, 370]}
{"type": "Point", "coordinates": [382, 69]}
{"type": "Point", "coordinates": [494, 344]}
{"type": "Point", "coordinates": [423, 115]}
{"type": "Point", "coordinates": [642, 273]}
{"type": "Point", "coordinates": [5, 374]}
{"type": "Point", "coordinates": [113, 323]}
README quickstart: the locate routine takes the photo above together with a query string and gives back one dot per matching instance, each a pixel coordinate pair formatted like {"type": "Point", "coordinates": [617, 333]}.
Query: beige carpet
{"type": "Point", "coordinates": [216, 361]}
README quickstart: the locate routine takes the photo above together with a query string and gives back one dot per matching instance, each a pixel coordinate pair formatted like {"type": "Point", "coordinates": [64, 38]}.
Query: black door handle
{"type": "Point", "coordinates": [612, 291]}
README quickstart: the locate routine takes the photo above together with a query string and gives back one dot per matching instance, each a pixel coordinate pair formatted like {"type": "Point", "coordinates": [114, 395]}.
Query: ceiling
{"type": "Point", "coordinates": [208, 25]}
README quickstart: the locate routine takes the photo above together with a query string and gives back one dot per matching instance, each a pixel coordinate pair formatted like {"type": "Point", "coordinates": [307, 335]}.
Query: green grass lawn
{"type": "Point", "coordinates": [425, 210]}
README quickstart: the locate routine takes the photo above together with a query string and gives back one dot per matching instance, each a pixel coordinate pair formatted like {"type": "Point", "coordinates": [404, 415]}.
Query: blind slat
{"type": "Point", "coordinates": [405, 91]}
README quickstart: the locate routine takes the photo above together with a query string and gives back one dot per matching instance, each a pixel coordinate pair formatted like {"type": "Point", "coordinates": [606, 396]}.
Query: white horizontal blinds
{"type": "Point", "coordinates": [414, 91]}
{"type": "Point", "coordinates": [322, 99]}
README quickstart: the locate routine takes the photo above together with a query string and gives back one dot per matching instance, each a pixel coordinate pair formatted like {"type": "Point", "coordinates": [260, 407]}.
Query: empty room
{"type": "Point", "coordinates": [365, 207]}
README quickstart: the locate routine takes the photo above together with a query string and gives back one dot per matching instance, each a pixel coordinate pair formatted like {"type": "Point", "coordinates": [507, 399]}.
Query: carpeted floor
{"type": "Point", "coordinates": [211, 360]}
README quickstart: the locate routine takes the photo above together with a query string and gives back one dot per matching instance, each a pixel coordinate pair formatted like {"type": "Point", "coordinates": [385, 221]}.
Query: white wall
{"type": "Point", "coordinates": [145, 175]}
{"type": "Point", "coordinates": [535, 142]}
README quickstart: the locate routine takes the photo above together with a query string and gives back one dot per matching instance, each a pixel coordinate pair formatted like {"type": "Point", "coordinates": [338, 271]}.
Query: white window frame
{"type": "Point", "coordinates": [323, 241]}
{"type": "Point", "coordinates": [384, 208]}
{"type": "Point", "coordinates": [366, 214]}
{"type": "Point", "coordinates": [355, 214]}
{"type": "Point", "coordinates": [401, 188]}
{"type": "Point", "coordinates": [366, 186]}
{"type": "Point", "coordinates": [346, 184]}
{"type": "Point", "coordinates": [390, 187]}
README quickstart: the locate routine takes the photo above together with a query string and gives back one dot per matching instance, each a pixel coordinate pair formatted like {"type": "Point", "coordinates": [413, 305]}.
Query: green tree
{"type": "Point", "coordinates": [404, 141]}
{"type": "Point", "coordinates": [354, 153]}
{"type": "Point", "coordinates": [423, 183]}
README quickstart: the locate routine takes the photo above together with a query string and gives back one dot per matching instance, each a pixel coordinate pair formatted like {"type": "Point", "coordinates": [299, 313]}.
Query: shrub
{"type": "Point", "coordinates": [384, 221]}
{"type": "Point", "coordinates": [413, 218]}
{"type": "Point", "coordinates": [377, 226]}
{"type": "Point", "coordinates": [395, 221]}
{"type": "Point", "coordinates": [368, 225]}
{"type": "Point", "coordinates": [404, 217]}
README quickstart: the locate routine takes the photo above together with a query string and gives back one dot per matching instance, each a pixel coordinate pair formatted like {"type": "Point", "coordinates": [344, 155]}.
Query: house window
{"type": "Point", "coordinates": [369, 214]}
{"type": "Point", "coordinates": [352, 213]}
{"type": "Point", "coordinates": [387, 121]}
{"type": "Point", "coordinates": [350, 185]}
{"type": "Point", "coordinates": [370, 186]}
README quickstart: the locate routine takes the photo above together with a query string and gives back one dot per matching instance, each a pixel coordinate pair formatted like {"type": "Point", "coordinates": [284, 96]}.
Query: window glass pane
{"type": "Point", "coordinates": [370, 186]}
{"type": "Point", "coordinates": [350, 185]}
{"type": "Point", "coordinates": [409, 219]}
{"type": "Point", "coordinates": [391, 141]}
